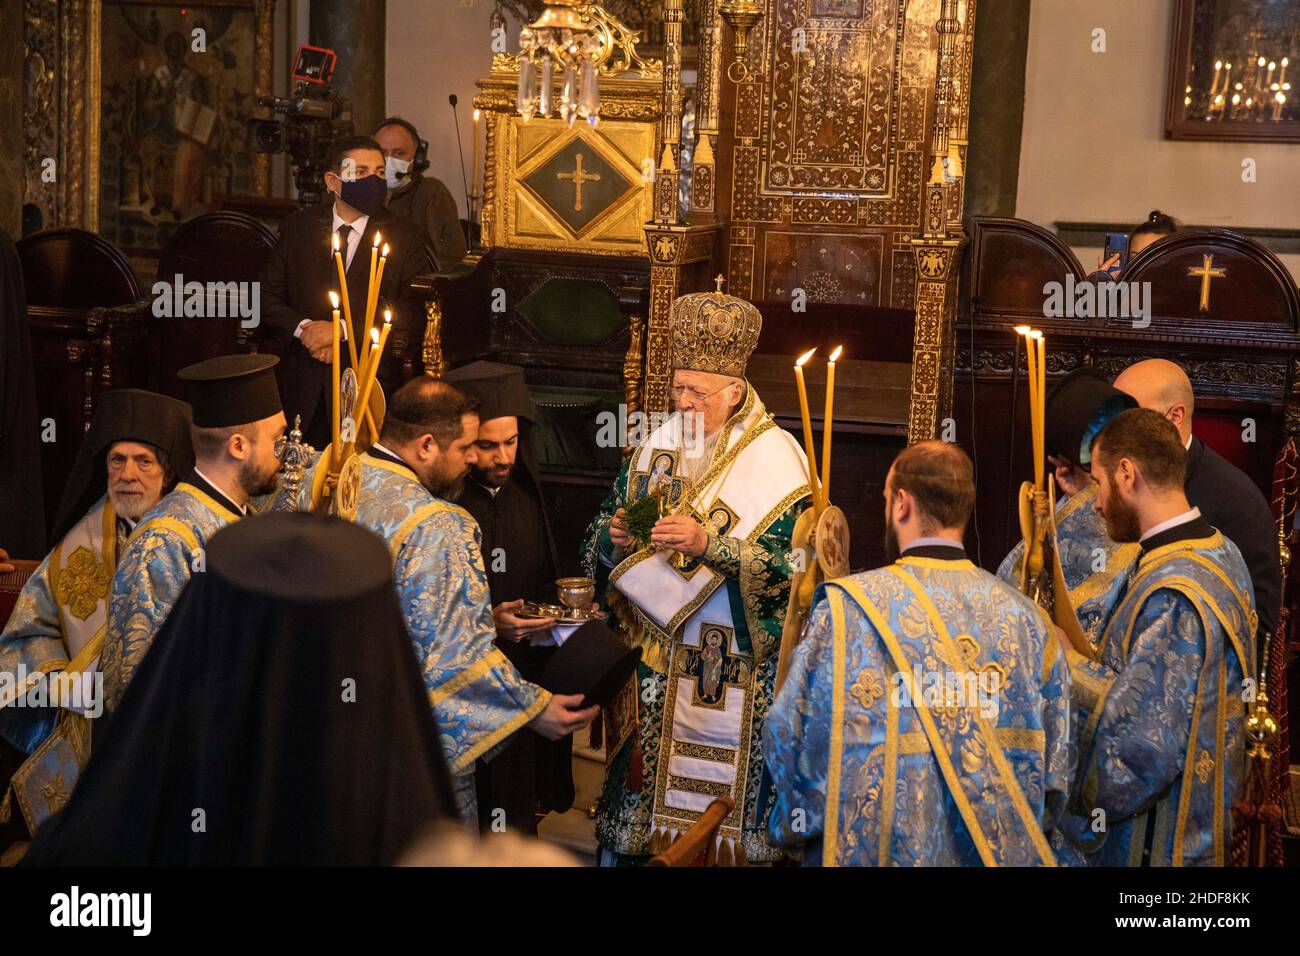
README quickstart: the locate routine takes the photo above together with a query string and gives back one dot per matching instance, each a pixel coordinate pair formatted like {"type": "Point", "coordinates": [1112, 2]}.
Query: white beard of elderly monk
{"type": "Point", "coordinates": [138, 473]}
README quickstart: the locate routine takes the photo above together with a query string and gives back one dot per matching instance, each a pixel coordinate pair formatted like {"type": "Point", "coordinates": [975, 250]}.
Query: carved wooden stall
{"type": "Point", "coordinates": [67, 274]}
{"type": "Point", "coordinates": [1221, 306]}
{"type": "Point", "coordinates": [94, 328]}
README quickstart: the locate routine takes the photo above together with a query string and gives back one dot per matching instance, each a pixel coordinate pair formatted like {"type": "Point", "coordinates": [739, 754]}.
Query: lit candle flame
{"type": "Point", "coordinates": [476, 116]}
{"type": "Point", "coordinates": [836, 354]}
{"type": "Point", "coordinates": [388, 316]}
{"type": "Point", "coordinates": [1035, 334]}
{"type": "Point", "coordinates": [376, 242]}
{"type": "Point", "coordinates": [805, 357]}
{"type": "Point", "coordinates": [334, 300]}
{"type": "Point", "coordinates": [336, 242]}
{"type": "Point", "coordinates": [1022, 330]}
{"type": "Point", "coordinates": [384, 253]}
{"type": "Point", "coordinates": [374, 336]}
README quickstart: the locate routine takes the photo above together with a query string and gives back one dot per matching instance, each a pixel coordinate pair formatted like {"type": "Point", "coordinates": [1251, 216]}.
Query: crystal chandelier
{"type": "Point", "coordinates": [560, 40]}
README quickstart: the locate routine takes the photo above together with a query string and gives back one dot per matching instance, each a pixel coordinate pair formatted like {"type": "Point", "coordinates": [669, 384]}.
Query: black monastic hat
{"type": "Point", "coordinates": [499, 389]}
{"type": "Point", "coordinates": [232, 390]}
{"type": "Point", "coordinates": [593, 662]}
{"type": "Point", "coordinates": [123, 414]}
{"type": "Point", "coordinates": [282, 697]}
{"type": "Point", "coordinates": [1077, 409]}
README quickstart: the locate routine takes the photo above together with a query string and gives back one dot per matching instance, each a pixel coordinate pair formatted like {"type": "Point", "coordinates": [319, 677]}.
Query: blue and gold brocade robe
{"type": "Point", "coordinates": [1094, 566]}
{"type": "Point", "coordinates": [1161, 713]}
{"type": "Point", "coordinates": [166, 547]}
{"type": "Point", "coordinates": [868, 772]}
{"type": "Point", "coordinates": [33, 640]}
{"type": "Point", "coordinates": [478, 697]}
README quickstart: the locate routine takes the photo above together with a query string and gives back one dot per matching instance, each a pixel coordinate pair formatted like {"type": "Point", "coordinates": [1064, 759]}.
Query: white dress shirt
{"type": "Point", "coordinates": [358, 229]}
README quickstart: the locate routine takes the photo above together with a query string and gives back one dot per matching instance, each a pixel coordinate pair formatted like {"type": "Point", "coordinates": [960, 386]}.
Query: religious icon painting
{"type": "Point", "coordinates": [620, 717]}
{"type": "Point", "coordinates": [721, 518]}
{"type": "Point", "coordinates": [660, 479]}
{"type": "Point", "coordinates": [176, 85]}
{"type": "Point", "coordinates": [712, 666]}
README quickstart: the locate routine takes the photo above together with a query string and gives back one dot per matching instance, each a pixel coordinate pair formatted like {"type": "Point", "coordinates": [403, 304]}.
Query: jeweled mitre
{"type": "Point", "coordinates": [714, 332]}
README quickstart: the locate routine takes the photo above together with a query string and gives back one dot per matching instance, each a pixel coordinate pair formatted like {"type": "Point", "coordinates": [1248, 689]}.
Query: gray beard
{"type": "Point", "coordinates": [696, 460]}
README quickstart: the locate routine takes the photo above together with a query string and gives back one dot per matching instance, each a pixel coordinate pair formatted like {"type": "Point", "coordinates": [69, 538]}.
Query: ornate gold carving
{"type": "Point", "coordinates": [434, 364]}
{"type": "Point", "coordinates": [263, 56]}
{"type": "Point", "coordinates": [618, 56]}
{"type": "Point", "coordinates": [40, 104]}
{"type": "Point", "coordinates": [709, 80]}
{"type": "Point", "coordinates": [79, 112]}
{"type": "Point", "coordinates": [514, 213]}
{"type": "Point", "coordinates": [633, 366]}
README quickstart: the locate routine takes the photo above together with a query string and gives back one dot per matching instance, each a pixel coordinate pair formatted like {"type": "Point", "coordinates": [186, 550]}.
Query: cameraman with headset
{"type": "Point", "coordinates": [424, 201]}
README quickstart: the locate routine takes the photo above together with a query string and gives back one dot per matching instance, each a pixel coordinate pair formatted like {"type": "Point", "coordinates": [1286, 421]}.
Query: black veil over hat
{"type": "Point", "coordinates": [501, 390]}
{"type": "Point", "coordinates": [1076, 409]}
{"type": "Point", "coordinates": [124, 414]}
{"type": "Point", "coordinates": [282, 698]}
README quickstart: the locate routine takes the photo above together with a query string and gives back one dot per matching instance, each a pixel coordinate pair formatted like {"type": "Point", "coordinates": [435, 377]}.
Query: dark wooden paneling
{"type": "Point", "coordinates": [1240, 354]}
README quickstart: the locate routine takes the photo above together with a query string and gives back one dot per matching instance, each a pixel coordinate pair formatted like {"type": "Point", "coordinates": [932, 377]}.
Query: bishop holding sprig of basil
{"type": "Point", "coordinates": [702, 590]}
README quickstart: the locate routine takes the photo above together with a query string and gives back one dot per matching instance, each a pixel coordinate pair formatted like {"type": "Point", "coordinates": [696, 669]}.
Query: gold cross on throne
{"type": "Point", "coordinates": [579, 177]}
{"type": "Point", "coordinates": [1207, 274]}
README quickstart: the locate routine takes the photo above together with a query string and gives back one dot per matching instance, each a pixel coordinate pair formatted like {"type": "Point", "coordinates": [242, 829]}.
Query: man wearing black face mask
{"type": "Point", "coordinates": [301, 269]}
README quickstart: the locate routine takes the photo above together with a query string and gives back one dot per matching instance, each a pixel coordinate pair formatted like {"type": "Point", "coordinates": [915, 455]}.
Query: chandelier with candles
{"type": "Point", "coordinates": [564, 42]}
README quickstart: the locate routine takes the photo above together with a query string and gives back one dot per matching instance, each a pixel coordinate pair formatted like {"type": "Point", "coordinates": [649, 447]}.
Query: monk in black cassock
{"type": "Point", "coordinates": [503, 492]}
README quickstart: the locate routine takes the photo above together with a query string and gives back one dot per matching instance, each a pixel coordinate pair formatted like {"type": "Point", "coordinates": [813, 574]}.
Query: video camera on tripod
{"type": "Point", "coordinates": [314, 117]}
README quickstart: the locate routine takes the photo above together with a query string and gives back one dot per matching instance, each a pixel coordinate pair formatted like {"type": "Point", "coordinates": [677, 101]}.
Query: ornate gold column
{"type": "Point", "coordinates": [936, 251]}
{"type": "Point", "coordinates": [263, 57]}
{"type": "Point", "coordinates": [78, 166]}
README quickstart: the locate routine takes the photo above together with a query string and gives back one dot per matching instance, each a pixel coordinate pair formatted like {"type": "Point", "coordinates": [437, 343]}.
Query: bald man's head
{"type": "Point", "coordinates": [1162, 386]}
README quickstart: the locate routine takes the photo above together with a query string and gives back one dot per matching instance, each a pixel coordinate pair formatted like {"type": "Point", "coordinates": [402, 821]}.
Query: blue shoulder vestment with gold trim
{"type": "Point", "coordinates": [164, 550]}
{"type": "Point", "coordinates": [924, 722]}
{"type": "Point", "coordinates": [1161, 713]}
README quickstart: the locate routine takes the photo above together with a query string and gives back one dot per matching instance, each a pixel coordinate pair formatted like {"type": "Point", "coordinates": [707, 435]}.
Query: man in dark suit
{"type": "Point", "coordinates": [301, 271]}
{"type": "Point", "coordinates": [1225, 495]}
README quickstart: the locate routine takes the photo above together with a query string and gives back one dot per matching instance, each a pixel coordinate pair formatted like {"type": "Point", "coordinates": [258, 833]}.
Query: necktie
{"type": "Point", "coordinates": [345, 233]}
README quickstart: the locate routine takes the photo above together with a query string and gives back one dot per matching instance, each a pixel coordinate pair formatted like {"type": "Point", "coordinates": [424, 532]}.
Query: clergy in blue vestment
{"type": "Point", "coordinates": [1094, 566]}
{"type": "Point", "coordinates": [237, 421]}
{"type": "Point", "coordinates": [1160, 710]}
{"type": "Point", "coordinates": [925, 717]}
{"type": "Point", "coordinates": [479, 699]}
{"type": "Point", "coordinates": [137, 445]}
